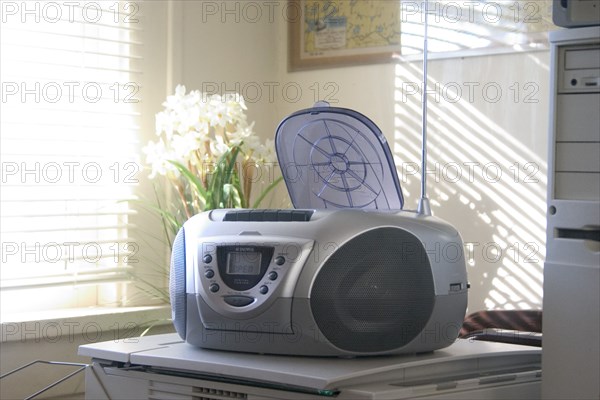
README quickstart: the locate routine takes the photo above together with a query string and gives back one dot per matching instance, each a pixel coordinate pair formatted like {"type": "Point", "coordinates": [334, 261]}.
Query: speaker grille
{"type": "Point", "coordinates": [375, 293]}
{"type": "Point", "coordinates": [177, 284]}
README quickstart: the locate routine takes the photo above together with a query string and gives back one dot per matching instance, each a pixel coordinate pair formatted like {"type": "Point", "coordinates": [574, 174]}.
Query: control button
{"type": "Point", "coordinates": [256, 215]}
{"type": "Point", "coordinates": [207, 258]}
{"type": "Point", "coordinates": [279, 260]}
{"type": "Point", "coordinates": [284, 215]}
{"type": "Point", "coordinates": [214, 288]}
{"type": "Point", "coordinates": [243, 215]}
{"type": "Point", "coordinates": [209, 273]}
{"type": "Point", "coordinates": [230, 216]}
{"type": "Point", "coordinates": [301, 215]}
{"type": "Point", "coordinates": [455, 287]}
{"type": "Point", "coordinates": [263, 289]}
{"type": "Point", "coordinates": [238, 301]}
{"type": "Point", "coordinates": [270, 215]}
{"type": "Point", "coordinates": [273, 275]}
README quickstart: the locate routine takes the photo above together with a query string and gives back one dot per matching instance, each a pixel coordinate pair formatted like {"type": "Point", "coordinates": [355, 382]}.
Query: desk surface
{"type": "Point", "coordinates": [464, 357]}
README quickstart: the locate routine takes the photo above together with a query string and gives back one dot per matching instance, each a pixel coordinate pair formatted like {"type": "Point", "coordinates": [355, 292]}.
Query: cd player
{"type": "Point", "coordinates": [318, 282]}
{"type": "Point", "coordinates": [346, 272]}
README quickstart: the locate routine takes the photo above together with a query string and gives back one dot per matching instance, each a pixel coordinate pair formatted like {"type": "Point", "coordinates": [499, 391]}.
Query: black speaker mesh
{"type": "Point", "coordinates": [375, 293]}
{"type": "Point", "coordinates": [177, 284]}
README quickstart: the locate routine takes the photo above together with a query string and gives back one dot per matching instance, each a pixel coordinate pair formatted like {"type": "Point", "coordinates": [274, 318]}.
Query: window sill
{"type": "Point", "coordinates": [90, 322]}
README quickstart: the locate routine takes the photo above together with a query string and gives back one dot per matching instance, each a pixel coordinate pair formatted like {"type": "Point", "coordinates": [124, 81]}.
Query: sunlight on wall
{"type": "Point", "coordinates": [484, 176]}
{"type": "Point", "coordinates": [476, 27]}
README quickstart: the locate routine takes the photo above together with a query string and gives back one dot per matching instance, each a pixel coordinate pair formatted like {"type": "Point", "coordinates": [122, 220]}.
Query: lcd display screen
{"type": "Point", "coordinates": [243, 263]}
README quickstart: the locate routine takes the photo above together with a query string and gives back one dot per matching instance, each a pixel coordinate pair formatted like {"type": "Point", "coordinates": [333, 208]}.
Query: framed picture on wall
{"type": "Point", "coordinates": [334, 33]}
{"type": "Point", "coordinates": [324, 33]}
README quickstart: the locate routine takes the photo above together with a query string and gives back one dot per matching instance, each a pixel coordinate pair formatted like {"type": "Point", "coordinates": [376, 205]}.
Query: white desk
{"type": "Point", "coordinates": [163, 366]}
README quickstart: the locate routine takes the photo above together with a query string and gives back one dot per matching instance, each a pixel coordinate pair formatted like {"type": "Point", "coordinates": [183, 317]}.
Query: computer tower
{"type": "Point", "coordinates": [571, 325]}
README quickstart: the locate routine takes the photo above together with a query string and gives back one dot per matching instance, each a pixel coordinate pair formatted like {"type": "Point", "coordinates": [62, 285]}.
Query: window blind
{"type": "Point", "coordinates": [69, 133]}
{"type": "Point", "coordinates": [464, 28]}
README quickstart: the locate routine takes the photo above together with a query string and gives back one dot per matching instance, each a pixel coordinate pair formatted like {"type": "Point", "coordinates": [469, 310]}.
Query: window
{"type": "Point", "coordinates": [71, 76]}
{"type": "Point", "coordinates": [474, 27]}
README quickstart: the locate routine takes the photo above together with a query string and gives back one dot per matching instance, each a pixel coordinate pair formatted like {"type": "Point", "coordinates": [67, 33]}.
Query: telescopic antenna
{"type": "Point", "coordinates": [424, 208]}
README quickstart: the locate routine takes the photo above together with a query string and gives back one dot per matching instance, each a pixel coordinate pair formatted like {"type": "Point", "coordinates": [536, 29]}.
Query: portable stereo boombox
{"type": "Point", "coordinates": [346, 272]}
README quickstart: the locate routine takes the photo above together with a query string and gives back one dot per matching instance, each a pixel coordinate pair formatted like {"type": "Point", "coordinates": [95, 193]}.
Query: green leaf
{"type": "Point", "coordinates": [232, 196]}
{"type": "Point", "coordinates": [238, 185]}
{"type": "Point", "coordinates": [232, 160]}
{"type": "Point", "coordinates": [169, 221]}
{"type": "Point", "coordinates": [151, 324]}
{"type": "Point", "coordinates": [192, 179]}
{"type": "Point", "coordinates": [167, 216]}
{"type": "Point", "coordinates": [214, 185]}
{"type": "Point", "coordinates": [266, 191]}
{"type": "Point", "coordinates": [221, 176]}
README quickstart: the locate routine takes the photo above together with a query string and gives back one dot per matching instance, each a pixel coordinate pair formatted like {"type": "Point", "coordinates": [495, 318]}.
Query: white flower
{"type": "Point", "coordinates": [235, 108]}
{"type": "Point", "coordinates": [188, 118]}
{"type": "Point", "coordinates": [184, 146]}
{"type": "Point", "coordinates": [217, 111]}
{"type": "Point", "coordinates": [164, 123]}
{"type": "Point", "coordinates": [218, 147]}
{"type": "Point", "coordinates": [190, 131]}
{"type": "Point", "coordinates": [174, 102]}
{"type": "Point", "coordinates": [241, 133]}
{"type": "Point", "coordinates": [265, 153]}
{"type": "Point", "coordinates": [158, 157]}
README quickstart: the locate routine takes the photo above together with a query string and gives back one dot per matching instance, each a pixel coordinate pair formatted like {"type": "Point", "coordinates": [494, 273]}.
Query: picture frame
{"type": "Point", "coordinates": [457, 30]}
{"type": "Point", "coordinates": [326, 34]}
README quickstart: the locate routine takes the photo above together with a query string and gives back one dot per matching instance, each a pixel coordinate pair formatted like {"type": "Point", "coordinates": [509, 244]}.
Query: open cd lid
{"type": "Point", "coordinates": [336, 158]}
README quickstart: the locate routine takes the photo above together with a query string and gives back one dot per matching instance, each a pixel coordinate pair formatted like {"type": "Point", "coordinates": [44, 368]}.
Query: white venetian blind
{"type": "Point", "coordinates": [69, 129]}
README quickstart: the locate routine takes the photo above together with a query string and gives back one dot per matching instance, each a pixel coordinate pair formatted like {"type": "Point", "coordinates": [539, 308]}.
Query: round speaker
{"type": "Point", "coordinates": [375, 293]}
{"type": "Point", "coordinates": [177, 284]}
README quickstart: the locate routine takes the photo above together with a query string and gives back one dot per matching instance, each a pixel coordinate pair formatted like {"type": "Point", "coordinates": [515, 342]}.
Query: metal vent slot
{"type": "Point", "coordinates": [269, 215]}
{"type": "Point", "coordinates": [169, 391]}
{"type": "Point", "coordinates": [222, 394]}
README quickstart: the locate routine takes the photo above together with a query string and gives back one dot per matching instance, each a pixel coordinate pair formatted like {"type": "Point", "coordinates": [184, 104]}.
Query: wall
{"type": "Point", "coordinates": [230, 53]}
{"type": "Point", "coordinates": [487, 133]}
{"type": "Point", "coordinates": [487, 153]}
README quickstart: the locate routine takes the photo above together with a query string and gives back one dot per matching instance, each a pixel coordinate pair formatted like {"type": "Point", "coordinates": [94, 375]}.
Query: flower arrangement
{"type": "Point", "coordinates": [208, 154]}
{"type": "Point", "coordinates": [208, 151]}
